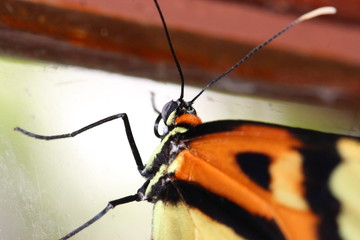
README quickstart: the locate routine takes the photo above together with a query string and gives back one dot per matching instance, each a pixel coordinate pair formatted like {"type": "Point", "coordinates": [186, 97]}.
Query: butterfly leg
{"type": "Point", "coordinates": [153, 103]}
{"type": "Point", "coordinates": [111, 205]}
{"type": "Point", "coordinates": [128, 131]}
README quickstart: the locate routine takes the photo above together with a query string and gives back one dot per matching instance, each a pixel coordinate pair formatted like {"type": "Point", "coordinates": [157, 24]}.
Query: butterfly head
{"type": "Point", "coordinates": [174, 109]}
{"type": "Point", "coordinates": [175, 113]}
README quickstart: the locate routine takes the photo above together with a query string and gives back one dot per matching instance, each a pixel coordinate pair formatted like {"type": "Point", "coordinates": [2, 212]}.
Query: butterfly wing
{"type": "Point", "coordinates": [257, 181]}
{"type": "Point", "coordinates": [180, 221]}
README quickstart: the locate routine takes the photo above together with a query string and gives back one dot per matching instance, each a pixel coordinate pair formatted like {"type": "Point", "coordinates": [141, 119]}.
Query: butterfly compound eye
{"type": "Point", "coordinates": [168, 109]}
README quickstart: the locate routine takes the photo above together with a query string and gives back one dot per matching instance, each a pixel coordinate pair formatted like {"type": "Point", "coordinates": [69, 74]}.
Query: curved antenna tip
{"type": "Point", "coordinates": [317, 12]}
{"type": "Point", "coordinates": [312, 14]}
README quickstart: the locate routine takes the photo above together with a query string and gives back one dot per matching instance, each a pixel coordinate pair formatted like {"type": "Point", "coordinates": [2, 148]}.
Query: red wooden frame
{"type": "Point", "coordinates": [318, 62]}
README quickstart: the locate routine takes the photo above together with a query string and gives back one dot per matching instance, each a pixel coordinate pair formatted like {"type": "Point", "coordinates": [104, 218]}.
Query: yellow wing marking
{"type": "Point", "coordinates": [287, 180]}
{"type": "Point", "coordinates": [180, 222]}
{"type": "Point", "coordinates": [345, 185]}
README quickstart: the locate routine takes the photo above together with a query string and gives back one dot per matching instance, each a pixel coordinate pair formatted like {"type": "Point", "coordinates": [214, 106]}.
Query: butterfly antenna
{"type": "Point", "coordinates": [172, 50]}
{"type": "Point", "coordinates": [306, 16]}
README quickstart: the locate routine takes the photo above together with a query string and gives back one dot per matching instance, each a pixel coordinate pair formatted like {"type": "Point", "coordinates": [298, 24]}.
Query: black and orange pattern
{"type": "Point", "coordinates": [260, 181]}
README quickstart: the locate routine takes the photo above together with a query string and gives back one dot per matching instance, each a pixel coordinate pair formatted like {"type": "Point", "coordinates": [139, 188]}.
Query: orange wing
{"type": "Point", "coordinates": [276, 178]}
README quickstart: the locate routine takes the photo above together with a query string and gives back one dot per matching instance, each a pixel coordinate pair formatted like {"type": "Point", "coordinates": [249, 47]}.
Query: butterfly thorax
{"type": "Point", "coordinates": [178, 117]}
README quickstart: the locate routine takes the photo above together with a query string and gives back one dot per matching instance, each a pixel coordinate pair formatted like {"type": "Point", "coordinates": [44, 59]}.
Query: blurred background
{"type": "Point", "coordinates": [49, 188]}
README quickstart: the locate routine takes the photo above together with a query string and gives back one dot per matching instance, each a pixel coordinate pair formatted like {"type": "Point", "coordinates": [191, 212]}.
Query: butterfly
{"type": "Point", "coordinates": [235, 179]}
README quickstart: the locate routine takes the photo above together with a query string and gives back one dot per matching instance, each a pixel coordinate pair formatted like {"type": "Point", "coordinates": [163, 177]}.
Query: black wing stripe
{"type": "Point", "coordinates": [320, 158]}
{"type": "Point", "coordinates": [256, 167]}
{"type": "Point", "coordinates": [222, 210]}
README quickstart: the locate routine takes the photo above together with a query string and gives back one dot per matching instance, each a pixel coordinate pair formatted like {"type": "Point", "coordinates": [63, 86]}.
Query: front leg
{"type": "Point", "coordinates": [128, 131]}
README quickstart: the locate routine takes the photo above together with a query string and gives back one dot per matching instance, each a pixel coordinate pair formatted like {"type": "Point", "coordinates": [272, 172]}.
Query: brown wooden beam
{"type": "Point", "coordinates": [318, 62]}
